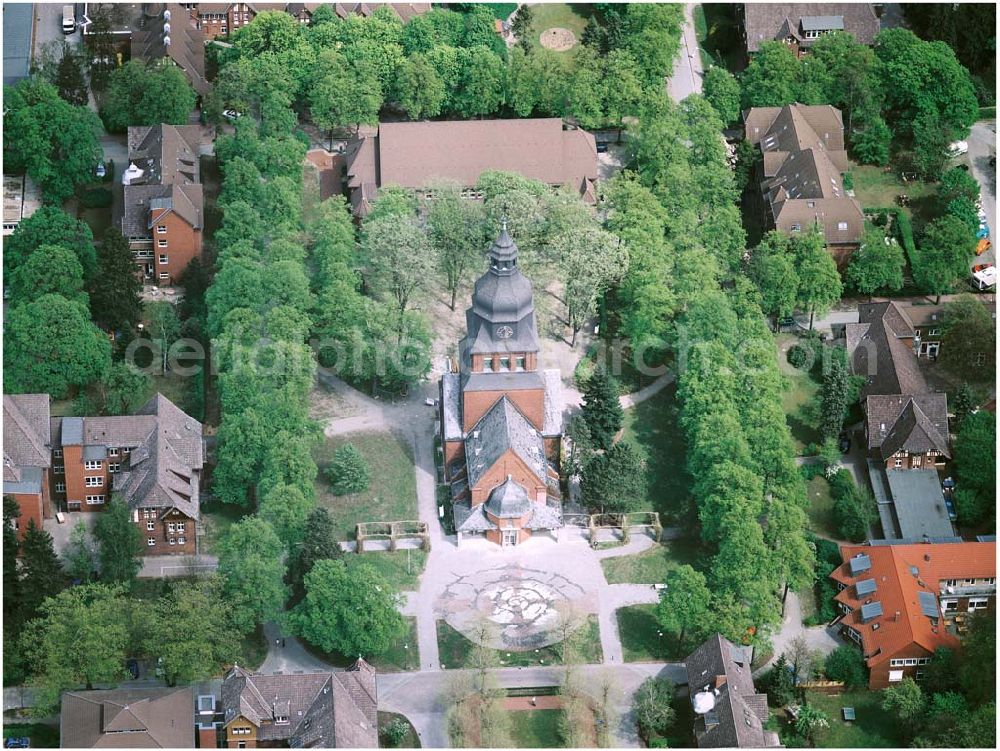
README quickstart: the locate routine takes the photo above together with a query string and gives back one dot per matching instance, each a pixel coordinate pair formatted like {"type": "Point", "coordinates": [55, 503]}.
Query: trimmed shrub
{"type": "Point", "coordinates": [348, 472]}
{"type": "Point", "coordinates": [800, 356]}
{"type": "Point", "coordinates": [846, 664]}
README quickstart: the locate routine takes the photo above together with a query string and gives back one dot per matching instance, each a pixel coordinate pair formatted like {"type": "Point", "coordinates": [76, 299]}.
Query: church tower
{"type": "Point", "coordinates": [501, 417]}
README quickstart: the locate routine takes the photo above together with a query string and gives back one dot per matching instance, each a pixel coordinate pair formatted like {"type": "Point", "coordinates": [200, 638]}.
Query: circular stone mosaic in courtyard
{"type": "Point", "coordinates": [558, 39]}
{"type": "Point", "coordinates": [523, 607]}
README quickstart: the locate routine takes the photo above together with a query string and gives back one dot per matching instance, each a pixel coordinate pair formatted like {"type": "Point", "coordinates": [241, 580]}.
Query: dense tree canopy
{"type": "Point", "coordinates": [147, 93]}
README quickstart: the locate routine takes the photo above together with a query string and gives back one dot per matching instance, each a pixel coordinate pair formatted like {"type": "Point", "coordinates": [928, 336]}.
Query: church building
{"type": "Point", "coordinates": [501, 417]}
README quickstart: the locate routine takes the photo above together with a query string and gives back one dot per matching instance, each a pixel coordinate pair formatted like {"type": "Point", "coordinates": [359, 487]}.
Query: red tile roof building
{"type": "Point", "coordinates": [899, 603]}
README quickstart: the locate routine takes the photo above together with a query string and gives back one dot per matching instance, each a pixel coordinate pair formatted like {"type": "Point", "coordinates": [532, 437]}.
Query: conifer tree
{"type": "Point", "coordinates": [601, 409]}
{"type": "Point", "coordinates": [42, 573]}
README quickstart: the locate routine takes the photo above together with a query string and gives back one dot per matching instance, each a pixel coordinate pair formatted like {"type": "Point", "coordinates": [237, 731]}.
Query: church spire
{"type": "Point", "coordinates": [503, 252]}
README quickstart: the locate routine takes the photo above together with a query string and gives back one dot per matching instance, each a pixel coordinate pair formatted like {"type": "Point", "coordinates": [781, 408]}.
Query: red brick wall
{"type": "Point", "coordinates": [878, 677]}
{"type": "Point", "coordinates": [909, 462]}
{"type": "Point", "coordinates": [477, 403]}
{"type": "Point", "coordinates": [161, 534]}
{"type": "Point", "coordinates": [183, 244]}
{"type": "Point", "coordinates": [508, 464]}
{"type": "Point", "coordinates": [453, 450]}
{"type": "Point", "coordinates": [31, 509]}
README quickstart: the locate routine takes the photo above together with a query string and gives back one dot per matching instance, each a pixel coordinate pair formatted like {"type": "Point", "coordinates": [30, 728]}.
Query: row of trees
{"type": "Point", "coordinates": [441, 63]}
{"type": "Point", "coordinates": [905, 89]}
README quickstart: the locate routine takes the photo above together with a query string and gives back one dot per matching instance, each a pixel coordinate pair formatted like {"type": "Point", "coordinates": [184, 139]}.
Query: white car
{"type": "Point", "coordinates": [957, 148]}
{"type": "Point", "coordinates": [231, 114]}
{"type": "Point", "coordinates": [985, 278]}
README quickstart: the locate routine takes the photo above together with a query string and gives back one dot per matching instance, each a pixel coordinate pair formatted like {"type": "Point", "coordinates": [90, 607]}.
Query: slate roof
{"type": "Point", "coordinates": [27, 438]}
{"type": "Point", "coordinates": [451, 409]}
{"type": "Point", "coordinates": [737, 719]}
{"type": "Point", "coordinates": [17, 31]}
{"type": "Point", "coordinates": [919, 503]}
{"type": "Point", "coordinates": [413, 154]}
{"type": "Point", "coordinates": [804, 156]}
{"type": "Point", "coordinates": [899, 591]}
{"type": "Point", "coordinates": [186, 47]}
{"type": "Point", "coordinates": [879, 348]}
{"type": "Point", "coordinates": [552, 420]}
{"type": "Point", "coordinates": [776, 21]}
{"type": "Point", "coordinates": [405, 11]}
{"type": "Point", "coordinates": [168, 156]}
{"type": "Point", "coordinates": [128, 718]}
{"type": "Point", "coordinates": [914, 423]}
{"type": "Point", "coordinates": [332, 710]}
{"type": "Point", "coordinates": [164, 470]}
{"type": "Point", "coordinates": [503, 428]}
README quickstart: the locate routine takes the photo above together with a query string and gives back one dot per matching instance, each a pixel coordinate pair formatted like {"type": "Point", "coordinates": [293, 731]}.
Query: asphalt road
{"type": "Point", "coordinates": [982, 146]}
{"type": "Point", "coordinates": [48, 27]}
{"type": "Point", "coordinates": [688, 72]}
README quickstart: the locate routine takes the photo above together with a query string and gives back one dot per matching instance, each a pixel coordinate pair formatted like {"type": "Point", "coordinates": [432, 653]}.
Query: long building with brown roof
{"type": "Point", "coordinates": [899, 603]}
{"type": "Point", "coordinates": [799, 25]}
{"type": "Point", "coordinates": [127, 718]}
{"type": "Point", "coordinates": [802, 160]}
{"type": "Point", "coordinates": [414, 155]}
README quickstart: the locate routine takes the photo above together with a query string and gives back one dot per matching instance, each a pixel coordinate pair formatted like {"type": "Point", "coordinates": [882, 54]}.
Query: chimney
{"type": "Point", "coordinates": [897, 616]}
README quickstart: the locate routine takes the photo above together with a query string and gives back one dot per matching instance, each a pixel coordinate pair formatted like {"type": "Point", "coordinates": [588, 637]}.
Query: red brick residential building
{"type": "Point", "coordinates": [153, 459]}
{"type": "Point", "coordinates": [219, 19]}
{"type": "Point", "coordinates": [501, 418]}
{"type": "Point", "coordinates": [799, 25]}
{"type": "Point", "coordinates": [27, 456]}
{"type": "Point", "coordinates": [162, 211]}
{"type": "Point", "coordinates": [899, 603]}
{"type": "Point", "coordinates": [127, 718]}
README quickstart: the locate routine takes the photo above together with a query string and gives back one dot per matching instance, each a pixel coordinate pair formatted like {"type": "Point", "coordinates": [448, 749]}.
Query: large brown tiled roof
{"type": "Point", "coordinates": [764, 22]}
{"type": "Point", "coordinates": [804, 156]}
{"type": "Point", "coordinates": [128, 718]}
{"type": "Point", "coordinates": [332, 710]}
{"type": "Point", "coordinates": [915, 423]}
{"type": "Point", "coordinates": [900, 574]}
{"type": "Point", "coordinates": [27, 438]}
{"type": "Point", "coordinates": [878, 349]}
{"type": "Point", "coordinates": [416, 154]}
{"type": "Point", "coordinates": [737, 719]}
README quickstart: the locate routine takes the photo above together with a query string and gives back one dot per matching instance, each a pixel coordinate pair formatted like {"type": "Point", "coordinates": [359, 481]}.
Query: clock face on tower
{"type": "Point", "coordinates": [504, 332]}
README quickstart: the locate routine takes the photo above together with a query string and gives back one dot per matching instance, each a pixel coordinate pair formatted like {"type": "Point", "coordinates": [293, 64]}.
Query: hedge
{"type": "Point", "coordinates": [987, 113]}
{"type": "Point", "coordinates": [903, 229]}
{"type": "Point", "coordinates": [96, 198]}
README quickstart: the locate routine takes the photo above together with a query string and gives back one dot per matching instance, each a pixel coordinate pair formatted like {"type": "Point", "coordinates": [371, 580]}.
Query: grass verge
{"type": "Point", "coordinates": [392, 494]}
{"type": "Point", "coordinates": [651, 566]}
{"type": "Point", "coordinates": [873, 728]}
{"type": "Point", "coordinates": [820, 510]}
{"type": "Point", "coordinates": [643, 639]}
{"type": "Point", "coordinates": [217, 518]}
{"type": "Point", "coordinates": [453, 648]}
{"type": "Point", "coordinates": [536, 728]}
{"type": "Point", "coordinates": [402, 568]}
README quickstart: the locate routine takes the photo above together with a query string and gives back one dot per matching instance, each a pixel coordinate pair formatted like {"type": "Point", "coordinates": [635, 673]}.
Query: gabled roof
{"type": "Point", "coordinates": [764, 22]}
{"type": "Point", "coordinates": [169, 157]}
{"type": "Point", "coordinates": [719, 674]}
{"type": "Point", "coordinates": [878, 348]}
{"type": "Point", "coordinates": [332, 710]}
{"type": "Point", "coordinates": [26, 430]}
{"type": "Point", "coordinates": [902, 573]}
{"type": "Point", "coordinates": [914, 423]}
{"type": "Point", "coordinates": [186, 46]}
{"type": "Point", "coordinates": [503, 428]}
{"type": "Point", "coordinates": [128, 718]}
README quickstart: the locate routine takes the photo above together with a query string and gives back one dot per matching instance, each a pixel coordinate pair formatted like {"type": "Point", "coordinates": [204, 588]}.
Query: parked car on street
{"type": "Point", "coordinates": [101, 170]}
{"type": "Point", "coordinates": [957, 148]}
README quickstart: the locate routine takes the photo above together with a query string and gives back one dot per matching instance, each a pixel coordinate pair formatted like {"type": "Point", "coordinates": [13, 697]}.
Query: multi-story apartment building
{"type": "Point", "coordinates": [162, 211]}
{"type": "Point", "coordinates": [899, 603]}
{"type": "Point", "coordinates": [219, 19]}
{"type": "Point", "coordinates": [152, 459]}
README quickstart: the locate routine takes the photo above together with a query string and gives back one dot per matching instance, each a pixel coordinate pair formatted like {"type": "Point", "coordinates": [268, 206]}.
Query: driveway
{"type": "Point", "coordinates": [821, 638]}
{"type": "Point", "coordinates": [48, 28]}
{"type": "Point", "coordinates": [982, 146]}
{"type": "Point", "coordinates": [688, 72]}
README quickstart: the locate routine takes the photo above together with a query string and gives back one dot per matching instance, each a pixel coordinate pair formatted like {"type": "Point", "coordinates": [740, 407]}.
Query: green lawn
{"type": "Point", "coordinates": [401, 656]}
{"type": "Point", "coordinates": [536, 728]}
{"type": "Point", "coordinates": [556, 15]}
{"type": "Point", "coordinates": [41, 735]}
{"type": "Point", "coordinates": [392, 495]}
{"type": "Point", "coordinates": [651, 426]}
{"type": "Point", "coordinates": [875, 188]}
{"type": "Point", "coordinates": [401, 567]}
{"type": "Point", "coordinates": [643, 640]}
{"type": "Point", "coordinates": [873, 728]}
{"type": "Point", "coordinates": [453, 648]}
{"type": "Point", "coordinates": [410, 740]}
{"type": "Point", "coordinates": [217, 518]}
{"type": "Point", "coordinates": [801, 391]}
{"type": "Point", "coordinates": [821, 507]}
{"type": "Point", "coordinates": [651, 566]}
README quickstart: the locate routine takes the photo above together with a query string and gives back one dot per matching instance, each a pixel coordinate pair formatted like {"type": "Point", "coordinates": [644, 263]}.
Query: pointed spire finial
{"type": "Point", "coordinates": [503, 222]}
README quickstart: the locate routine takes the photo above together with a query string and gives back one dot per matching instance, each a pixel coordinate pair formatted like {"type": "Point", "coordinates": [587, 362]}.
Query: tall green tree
{"type": "Point", "coordinates": [772, 78]}
{"type": "Point", "coordinates": [684, 606]}
{"type": "Point", "coordinates": [602, 409]}
{"type": "Point", "coordinates": [119, 544]}
{"type": "Point", "coordinates": [147, 93]}
{"type": "Point", "coordinates": [399, 258]}
{"type": "Point", "coordinates": [876, 265]}
{"type": "Point", "coordinates": [51, 269]}
{"type": "Point", "coordinates": [42, 574]}
{"type": "Point", "coordinates": [345, 94]}
{"type": "Point", "coordinates": [78, 641]}
{"type": "Point", "coordinates": [318, 544]}
{"type": "Point", "coordinates": [420, 89]}
{"type": "Point", "coordinates": [115, 295]}
{"type": "Point", "coordinates": [252, 569]}
{"type": "Point", "coordinates": [834, 396]}
{"type": "Point", "coordinates": [13, 592]}
{"type": "Point", "coordinates": [722, 90]}
{"type": "Point", "coordinates": [457, 232]}
{"type": "Point", "coordinates": [349, 610]}
{"type": "Point", "coordinates": [79, 555]}
{"type": "Point", "coordinates": [207, 640]}
{"type": "Point", "coordinates": [962, 405]}
{"type": "Point", "coordinates": [51, 226]}
{"type": "Point", "coordinates": [967, 336]}
{"type": "Point", "coordinates": [772, 269]}
{"type": "Point", "coordinates": [819, 283]}
{"type": "Point", "coordinates": [51, 140]}
{"type": "Point", "coordinates": [612, 482]}
{"type": "Point", "coordinates": [50, 346]}
{"type": "Point", "coordinates": [906, 702]}
{"type": "Point", "coordinates": [943, 255]}
{"type": "Point", "coordinates": [975, 448]}
{"type": "Point", "coordinates": [653, 706]}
